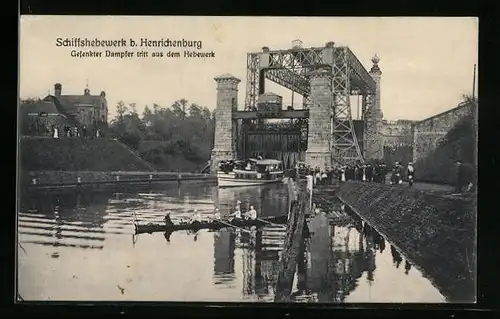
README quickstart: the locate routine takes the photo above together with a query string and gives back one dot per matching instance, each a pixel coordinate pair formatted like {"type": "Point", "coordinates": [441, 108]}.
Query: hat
{"type": "Point", "coordinates": [238, 202]}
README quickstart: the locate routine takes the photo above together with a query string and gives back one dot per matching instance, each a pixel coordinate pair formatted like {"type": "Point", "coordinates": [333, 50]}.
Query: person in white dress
{"type": "Point", "coordinates": [56, 132]}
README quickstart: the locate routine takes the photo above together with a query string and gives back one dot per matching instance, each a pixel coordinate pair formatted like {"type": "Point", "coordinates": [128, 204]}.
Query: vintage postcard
{"type": "Point", "coordinates": [247, 159]}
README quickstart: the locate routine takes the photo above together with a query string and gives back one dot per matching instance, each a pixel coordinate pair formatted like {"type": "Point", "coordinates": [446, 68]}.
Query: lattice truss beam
{"type": "Point", "coordinates": [345, 146]}
{"type": "Point", "coordinates": [290, 68]}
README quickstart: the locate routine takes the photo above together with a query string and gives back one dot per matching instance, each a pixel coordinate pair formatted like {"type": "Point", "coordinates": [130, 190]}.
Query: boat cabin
{"type": "Point", "coordinates": [268, 169]}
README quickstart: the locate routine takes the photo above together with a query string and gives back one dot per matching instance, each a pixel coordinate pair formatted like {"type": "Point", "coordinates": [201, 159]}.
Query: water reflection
{"type": "Point", "coordinates": [224, 253]}
{"type": "Point", "coordinates": [352, 267]}
{"type": "Point", "coordinates": [84, 240]}
{"type": "Point", "coordinates": [68, 220]}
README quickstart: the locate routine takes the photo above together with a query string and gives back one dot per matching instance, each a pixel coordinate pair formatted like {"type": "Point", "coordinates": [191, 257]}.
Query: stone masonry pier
{"type": "Point", "coordinates": [436, 232]}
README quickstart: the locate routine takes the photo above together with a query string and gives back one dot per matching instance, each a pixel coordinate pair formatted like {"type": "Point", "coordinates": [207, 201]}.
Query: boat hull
{"type": "Point", "coordinates": [238, 182]}
{"type": "Point", "coordinates": [213, 225]}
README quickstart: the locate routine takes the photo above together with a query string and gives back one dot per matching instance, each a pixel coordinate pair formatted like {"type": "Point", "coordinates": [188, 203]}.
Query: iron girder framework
{"type": "Point", "coordinates": [290, 68]}
{"type": "Point", "coordinates": [345, 146]}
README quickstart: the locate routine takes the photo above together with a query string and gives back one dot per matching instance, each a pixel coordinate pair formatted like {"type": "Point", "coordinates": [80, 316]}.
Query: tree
{"type": "Point", "coordinates": [468, 98]}
{"type": "Point", "coordinates": [180, 108]}
{"type": "Point", "coordinates": [179, 137]}
{"type": "Point", "coordinates": [121, 109]}
{"type": "Point", "coordinates": [29, 100]}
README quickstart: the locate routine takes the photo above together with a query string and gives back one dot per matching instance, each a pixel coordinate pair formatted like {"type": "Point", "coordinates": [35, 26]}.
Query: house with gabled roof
{"type": "Point", "coordinates": [67, 110]}
{"type": "Point", "coordinates": [87, 109]}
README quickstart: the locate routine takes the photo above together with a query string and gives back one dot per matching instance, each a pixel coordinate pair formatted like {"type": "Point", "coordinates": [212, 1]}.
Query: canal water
{"type": "Point", "coordinates": [83, 247]}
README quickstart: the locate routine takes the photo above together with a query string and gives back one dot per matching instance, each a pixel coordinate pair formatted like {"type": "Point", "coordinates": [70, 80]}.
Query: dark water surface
{"type": "Point", "coordinates": [82, 247]}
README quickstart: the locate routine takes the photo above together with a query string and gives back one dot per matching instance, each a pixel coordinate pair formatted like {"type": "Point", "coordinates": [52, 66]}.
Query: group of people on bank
{"type": "Point", "coordinates": [56, 131]}
{"type": "Point", "coordinates": [376, 173]}
{"type": "Point", "coordinates": [380, 173]}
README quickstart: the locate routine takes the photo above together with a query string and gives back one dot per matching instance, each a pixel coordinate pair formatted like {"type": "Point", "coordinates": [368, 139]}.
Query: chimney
{"type": "Point", "coordinates": [57, 89]}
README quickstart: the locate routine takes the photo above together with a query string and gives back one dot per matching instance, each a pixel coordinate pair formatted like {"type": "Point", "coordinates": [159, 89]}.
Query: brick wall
{"type": "Point", "coordinates": [441, 140]}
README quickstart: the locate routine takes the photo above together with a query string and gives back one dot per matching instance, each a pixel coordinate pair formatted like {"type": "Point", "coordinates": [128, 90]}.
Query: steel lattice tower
{"type": "Point", "coordinates": [292, 69]}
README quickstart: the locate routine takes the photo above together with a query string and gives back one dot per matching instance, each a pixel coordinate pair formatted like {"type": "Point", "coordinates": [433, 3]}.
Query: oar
{"type": "Point", "coordinates": [269, 223]}
{"type": "Point", "coordinates": [231, 225]}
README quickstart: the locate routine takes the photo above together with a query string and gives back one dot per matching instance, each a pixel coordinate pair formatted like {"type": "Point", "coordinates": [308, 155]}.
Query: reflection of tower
{"type": "Point", "coordinates": [319, 248]}
{"type": "Point", "coordinates": [224, 247]}
{"type": "Point", "coordinates": [349, 261]}
{"type": "Point", "coordinates": [249, 260]}
{"type": "Point", "coordinates": [259, 279]}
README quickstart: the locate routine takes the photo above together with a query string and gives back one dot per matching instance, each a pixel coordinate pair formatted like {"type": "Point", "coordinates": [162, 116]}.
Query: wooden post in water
{"type": "Point", "coordinates": [288, 263]}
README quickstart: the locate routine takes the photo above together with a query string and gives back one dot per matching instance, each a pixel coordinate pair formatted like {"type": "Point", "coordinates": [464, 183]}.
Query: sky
{"type": "Point", "coordinates": [427, 63]}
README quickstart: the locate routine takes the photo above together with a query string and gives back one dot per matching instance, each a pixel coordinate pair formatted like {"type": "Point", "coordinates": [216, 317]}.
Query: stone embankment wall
{"type": "Point", "coordinates": [436, 232]}
{"type": "Point", "coordinates": [441, 140]}
{"type": "Point", "coordinates": [89, 177]}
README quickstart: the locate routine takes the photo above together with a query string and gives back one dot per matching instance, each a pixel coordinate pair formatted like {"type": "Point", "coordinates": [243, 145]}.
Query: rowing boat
{"type": "Point", "coordinates": [213, 225]}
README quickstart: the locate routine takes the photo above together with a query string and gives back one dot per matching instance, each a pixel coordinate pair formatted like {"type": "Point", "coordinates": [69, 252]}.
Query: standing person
{"type": "Point", "coordinates": [394, 177]}
{"type": "Point", "coordinates": [411, 173]}
{"type": "Point", "coordinates": [460, 177]}
{"type": "Point", "coordinates": [342, 174]}
{"type": "Point", "coordinates": [324, 178]}
{"type": "Point", "coordinates": [399, 173]}
{"type": "Point", "coordinates": [56, 132]}
{"type": "Point", "coordinates": [369, 172]}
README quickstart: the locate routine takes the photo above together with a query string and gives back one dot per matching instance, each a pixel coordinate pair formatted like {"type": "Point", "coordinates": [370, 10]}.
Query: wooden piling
{"type": "Point", "coordinates": [294, 236]}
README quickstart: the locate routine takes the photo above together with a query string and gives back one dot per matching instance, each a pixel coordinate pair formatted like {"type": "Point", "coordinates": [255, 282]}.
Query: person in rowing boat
{"type": "Point", "coordinates": [195, 218]}
{"type": "Point", "coordinates": [251, 214]}
{"type": "Point", "coordinates": [236, 215]}
{"type": "Point", "coordinates": [168, 221]}
{"type": "Point", "coordinates": [216, 215]}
